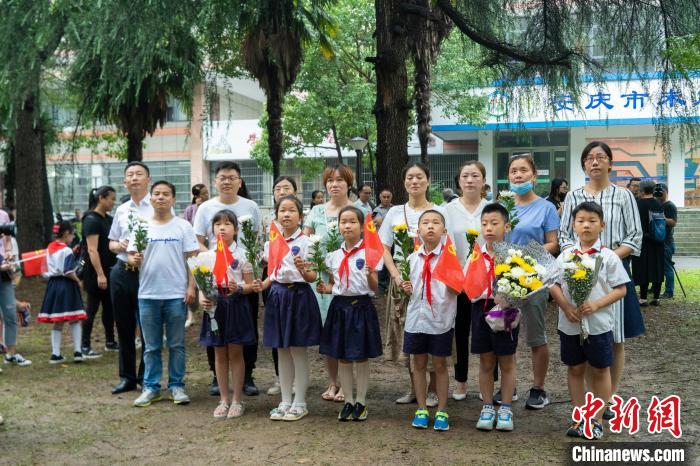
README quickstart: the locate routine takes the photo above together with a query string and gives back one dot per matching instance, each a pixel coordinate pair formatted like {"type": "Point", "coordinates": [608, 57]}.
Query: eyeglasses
{"type": "Point", "coordinates": [598, 158]}
{"type": "Point", "coordinates": [232, 178]}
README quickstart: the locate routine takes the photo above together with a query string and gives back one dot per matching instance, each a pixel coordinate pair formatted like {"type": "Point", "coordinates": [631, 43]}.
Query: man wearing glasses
{"type": "Point", "coordinates": [228, 182]}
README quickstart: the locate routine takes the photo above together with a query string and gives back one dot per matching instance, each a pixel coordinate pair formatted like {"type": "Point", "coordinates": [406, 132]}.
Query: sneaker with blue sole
{"type": "Point", "coordinates": [421, 418]}
{"type": "Point", "coordinates": [505, 420]}
{"type": "Point", "coordinates": [442, 422]}
{"type": "Point", "coordinates": [486, 418]}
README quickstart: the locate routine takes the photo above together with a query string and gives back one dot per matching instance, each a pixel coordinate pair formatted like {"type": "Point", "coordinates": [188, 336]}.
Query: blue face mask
{"type": "Point", "coordinates": [489, 196]}
{"type": "Point", "coordinates": [521, 188]}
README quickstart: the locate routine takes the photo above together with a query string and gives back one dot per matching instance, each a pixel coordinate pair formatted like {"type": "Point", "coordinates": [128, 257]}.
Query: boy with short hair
{"type": "Point", "coordinates": [597, 349]}
{"type": "Point", "coordinates": [493, 346]}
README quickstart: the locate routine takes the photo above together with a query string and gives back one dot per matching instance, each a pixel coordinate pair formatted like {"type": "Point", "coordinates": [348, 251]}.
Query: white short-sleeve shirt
{"type": "Point", "coordinates": [299, 245]}
{"type": "Point", "coordinates": [403, 214]}
{"type": "Point", "coordinates": [208, 209]}
{"type": "Point", "coordinates": [120, 224]}
{"type": "Point", "coordinates": [163, 273]}
{"type": "Point", "coordinates": [420, 318]}
{"type": "Point", "coordinates": [357, 275]}
{"type": "Point", "coordinates": [240, 264]}
{"type": "Point", "coordinates": [459, 220]}
{"type": "Point", "coordinates": [611, 275]}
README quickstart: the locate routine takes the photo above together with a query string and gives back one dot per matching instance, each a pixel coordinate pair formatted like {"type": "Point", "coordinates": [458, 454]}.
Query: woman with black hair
{"type": "Point", "coordinates": [317, 198]}
{"type": "Point", "coordinates": [200, 193]}
{"type": "Point", "coordinates": [99, 260]}
{"type": "Point", "coordinates": [557, 193]}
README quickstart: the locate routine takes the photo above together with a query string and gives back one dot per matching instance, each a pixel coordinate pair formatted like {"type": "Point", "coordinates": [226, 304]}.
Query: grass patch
{"type": "Point", "coordinates": [691, 283]}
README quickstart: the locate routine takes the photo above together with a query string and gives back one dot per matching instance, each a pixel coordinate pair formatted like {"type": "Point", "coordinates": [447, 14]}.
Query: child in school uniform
{"type": "Point", "coordinates": [430, 319]}
{"type": "Point", "coordinates": [233, 316]}
{"type": "Point", "coordinates": [62, 301]}
{"type": "Point", "coordinates": [596, 352]}
{"type": "Point", "coordinates": [292, 317]}
{"type": "Point", "coordinates": [351, 331]}
{"type": "Point", "coordinates": [493, 347]}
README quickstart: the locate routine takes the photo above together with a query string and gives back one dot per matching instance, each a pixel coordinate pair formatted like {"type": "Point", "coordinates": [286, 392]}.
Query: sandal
{"type": "Point", "coordinates": [295, 413]}
{"type": "Point", "coordinates": [340, 396]}
{"type": "Point", "coordinates": [221, 411]}
{"type": "Point", "coordinates": [236, 410]}
{"type": "Point", "coordinates": [330, 393]}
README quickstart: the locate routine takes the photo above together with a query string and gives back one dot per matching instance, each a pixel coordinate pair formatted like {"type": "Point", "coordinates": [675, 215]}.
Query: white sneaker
{"type": "Point", "coordinates": [486, 418]}
{"type": "Point", "coordinates": [275, 389]}
{"type": "Point", "coordinates": [17, 360]}
{"type": "Point", "coordinates": [179, 396]}
{"type": "Point", "coordinates": [147, 397]}
{"type": "Point", "coordinates": [432, 400]}
{"type": "Point", "coordinates": [408, 398]}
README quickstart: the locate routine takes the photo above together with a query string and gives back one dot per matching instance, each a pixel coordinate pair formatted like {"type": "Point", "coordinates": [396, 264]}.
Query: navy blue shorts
{"type": "Point", "coordinates": [597, 350]}
{"type": "Point", "coordinates": [485, 340]}
{"type": "Point", "coordinates": [425, 343]}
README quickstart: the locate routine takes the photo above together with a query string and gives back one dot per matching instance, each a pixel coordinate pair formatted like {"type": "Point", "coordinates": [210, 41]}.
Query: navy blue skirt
{"type": "Point", "coordinates": [62, 301]}
{"type": "Point", "coordinates": [351, 331]}
{"type": "Point", "coordinates": [236, 326]}
{"type": "Point", "coordinates": [292, 317]}
{"type": "Point", "coordinates": [632, 313]}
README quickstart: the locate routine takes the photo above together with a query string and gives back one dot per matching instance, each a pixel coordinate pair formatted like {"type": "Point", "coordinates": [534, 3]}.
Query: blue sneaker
{"type": "Point", "coordinates": [505, 419]}
{"type": "Point", "coordinates": [441, 421]}
{"type": "Point", "coordinates": [420, 420]}
{"type": "Point", "coordinates": [486, 418]}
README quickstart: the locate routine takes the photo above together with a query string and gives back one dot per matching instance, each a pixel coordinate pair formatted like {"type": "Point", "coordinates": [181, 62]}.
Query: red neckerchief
{"type": "Point", "coordinates": [427, 278]}
{"type": "Point", "coordinates": [344, 269]}
{"type": "Point", "coordinates": [592, 250]}
{"type": "Point", "coordinates": [55, 246]}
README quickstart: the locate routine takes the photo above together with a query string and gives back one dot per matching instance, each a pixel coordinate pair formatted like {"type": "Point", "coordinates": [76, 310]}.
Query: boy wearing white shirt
{"type": "Point", "coordinates": [166, 286]}
{"type": "Point", "coordinates": [596, 314]}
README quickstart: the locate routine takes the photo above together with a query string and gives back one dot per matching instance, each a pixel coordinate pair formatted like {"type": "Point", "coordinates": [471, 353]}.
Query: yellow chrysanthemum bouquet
{"type": "Point", "coordinates": [580, 275]}
{"type": "Point", "coordinates": [202, 267]}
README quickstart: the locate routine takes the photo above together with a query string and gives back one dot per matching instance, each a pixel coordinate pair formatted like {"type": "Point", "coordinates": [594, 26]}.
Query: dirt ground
{"type": "Point", "coordinates": [66, 415]}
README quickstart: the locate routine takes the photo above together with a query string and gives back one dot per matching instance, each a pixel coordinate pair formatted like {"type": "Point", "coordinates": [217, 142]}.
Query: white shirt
{"type": "Point", "coordinates": [60, 264]}
{"type": "Point", "coordinates": [363, 205]}
{"type": "Point", "coordinates": [240, 264]}
{"type": "Point", "coordinates": [357, 275]}
{"type": "Point", "coordinates": [208, 209]}
{"type": "Point", "coordinates": [403, 214]}
{"type": "Point", "coordinates": [163, 273]}
{"type": "Point", "coordinates": [611, 274]}
{"type": "Point", "coordinates": [120, 224]}
{"type": "Point", "coordinates": [420, 318]}
{"type": "Point", "coordinates": [459, 220]}
{"type": "Point", "coordinates": [287, 272]}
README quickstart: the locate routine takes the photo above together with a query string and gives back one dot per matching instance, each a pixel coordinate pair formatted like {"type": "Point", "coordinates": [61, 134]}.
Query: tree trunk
{"type": "Point", "coordinates": [392, 106]}
{"type": "Point", "coordinates": [134, 146]}
{"type": "Point", "coordinates": [10, 180]}
{"type": "Point", "coordinates": [30, 174]}
{"type": "Point", "coordinates": [274, 128]}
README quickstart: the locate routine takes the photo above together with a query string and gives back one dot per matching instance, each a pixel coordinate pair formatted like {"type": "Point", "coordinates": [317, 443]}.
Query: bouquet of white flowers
{"type": "Point", "coordinates": [333, 238]}
{"type": "Point", "coordinates": [251, 243]}
{"type": "Point", "coordinates": [139, 228]}
{"type": "Point", "coordinates": [521, 273]}
{"type": "Point", "coordinates": [318, 257]}
{"type": "Point", "coordinates": [202, 267]}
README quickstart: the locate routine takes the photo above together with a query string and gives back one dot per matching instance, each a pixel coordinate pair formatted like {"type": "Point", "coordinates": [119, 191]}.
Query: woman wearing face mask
{"type": "Point", "coordinates": [538, 221]}
{"type": "Point", "coordinates": [557, 193]}
{"type": "Point", "coordinates": [486, 193]}
{"type": "Point", "coordinates": [463, 214]}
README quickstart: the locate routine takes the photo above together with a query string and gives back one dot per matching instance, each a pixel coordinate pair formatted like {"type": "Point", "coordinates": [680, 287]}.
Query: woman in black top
{"type": "Point", "coordinates": [98, 262]}
{"type": "Point", "coordinates": [557, 193]}
{"type": "Point", "coordinates": [649, 266]}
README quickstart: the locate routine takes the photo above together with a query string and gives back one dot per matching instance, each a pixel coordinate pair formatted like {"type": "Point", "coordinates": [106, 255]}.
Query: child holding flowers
{"type": "Point", "coordinates": [430, 319]}
{"type": "Point", "coordinates": [233, 317]}
{"type": "Point", "coordinates": [351, 331]}
{"type": "Point", "coordinates": [292, 317]}
{"type": "Point", "coordinates": [586, 316]}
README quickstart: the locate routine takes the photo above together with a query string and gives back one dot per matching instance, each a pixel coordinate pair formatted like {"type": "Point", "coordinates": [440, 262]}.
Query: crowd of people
{"type": "Point", "coordinates": [136, 271]}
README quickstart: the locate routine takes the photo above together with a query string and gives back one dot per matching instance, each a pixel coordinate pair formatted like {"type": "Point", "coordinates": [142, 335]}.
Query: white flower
{"type": "Point", "coordinates": [315, 239]}
{"type": "Point", "coordinates": [511, 252]}
{"type": "Point", "coordinates": [506, 194]}
{"type": "Point", "coordinates": [540, 269]}
{"type": "Point", "coordinates": [517, 272]}
{"type": "Point", "coordinates": [523, 292]}
{"type": "Point", "coordinates": [589, 263]}
{"type": "Point", "coordinates": [332, 225]}
{"type": "Point", "coordinates": [245, 218]}
{"type": "Point", "coordinates": [568, 266]}
{"type": "Point", "coordinates": [569, 256]}
{"type": "Point", "coordinates": [412, 234]}
{"type": "Point", "coordinates": [206, 259]}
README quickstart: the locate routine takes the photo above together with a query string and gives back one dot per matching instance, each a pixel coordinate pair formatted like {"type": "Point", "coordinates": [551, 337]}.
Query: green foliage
{"type": "Point", "coordinates": [435, 194]}
{"type": "Point", "coordinates": [685, 52]}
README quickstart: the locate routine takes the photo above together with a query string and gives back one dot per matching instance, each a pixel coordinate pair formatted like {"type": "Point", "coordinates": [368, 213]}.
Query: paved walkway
{"type": "Point", "coordinates": [687, 262]}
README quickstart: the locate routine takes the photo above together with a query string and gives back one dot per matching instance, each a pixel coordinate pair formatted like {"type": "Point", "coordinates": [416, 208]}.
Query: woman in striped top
{"type": "Point", "coordinates": [622, 234]}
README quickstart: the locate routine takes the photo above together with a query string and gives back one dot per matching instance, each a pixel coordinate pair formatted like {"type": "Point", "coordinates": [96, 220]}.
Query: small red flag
{"type": "Point", "coordinates": [374, 249]}
{"type": "Point", "coordinates": [224, 258]}
{"type": "Point", "coordinates": [448, 269]}
{"type": "Point", "coordinates": [477, 277]}
{"type": "Point", "coordinates": [416, 243]}
{"type": "Point", "coordinates": [277, 249]}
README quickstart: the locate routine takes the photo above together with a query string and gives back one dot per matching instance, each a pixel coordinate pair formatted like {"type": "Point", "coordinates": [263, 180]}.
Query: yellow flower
{"type": "Point", "coordinates": [501, 269]}
{"type": "Point", "coordinates": [580, 274]}
{"type": "Point", "coordinates": [527, 268]}
{"type": "Point", "coordinates": [203, 269]}
{"type": "Point", "coordinates": [473, 232]}
{"type": "Point", "coordinates": [536, 284]}
{"type": "Point", "coordinates": [522, 280]}
{"type": "Point", "coordinates": [401, 227]}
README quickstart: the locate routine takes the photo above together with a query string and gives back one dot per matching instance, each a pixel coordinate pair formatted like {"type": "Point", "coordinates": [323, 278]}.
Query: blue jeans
{"type": "Point", "coordinates": [669, 251]}
{"type": "Point", "coordinates": [154, 313]}
{"type": "Point", "coordinates": [9, 312]}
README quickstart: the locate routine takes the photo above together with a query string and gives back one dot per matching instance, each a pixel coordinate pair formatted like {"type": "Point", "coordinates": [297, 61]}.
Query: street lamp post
{"type": "Point", "coordinates": [359, 145]}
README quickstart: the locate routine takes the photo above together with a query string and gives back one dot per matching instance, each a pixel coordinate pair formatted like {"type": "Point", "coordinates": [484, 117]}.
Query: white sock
{"type": "Point", "coordinates": [346, 381]}
{"type": "Point", "coordinates": [76, 329]}
{"type": "Point", "coordinates": [286, 370]}
{"type": "Point", "coordinates": [301, 375]}
{"type": "Point", "coordinates": [56, 342]}
{"type": "Point", "coordinates": [362, 380]}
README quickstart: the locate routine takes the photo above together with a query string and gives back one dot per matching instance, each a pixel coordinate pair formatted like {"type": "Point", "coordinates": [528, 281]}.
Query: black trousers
{"type": "Point", "coordinates": [124, 287]}
{"type": "Point", "coordinates": [250, 352]}
{"type": "Point", "coordinates": [463, 323]}
{"type": "Point", "coordinates": [94, 299]}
